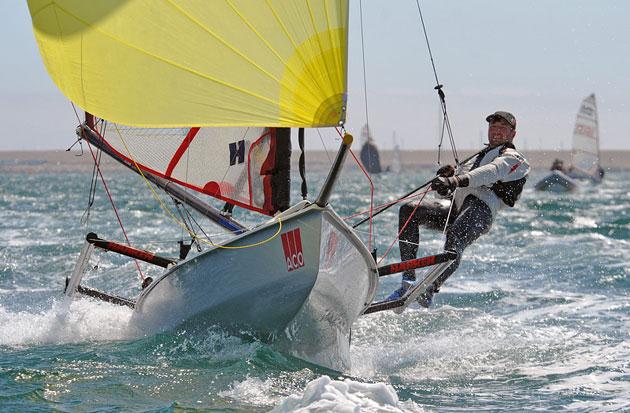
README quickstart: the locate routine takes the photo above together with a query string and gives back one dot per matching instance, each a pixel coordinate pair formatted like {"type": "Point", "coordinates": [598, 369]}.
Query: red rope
{"type": "Point", "coordinates": [371, 191]}
{"type": "Point", "coordinates": [403, 228]}
{"type": "Point", "coordinates": [371, 197]}
{"type": "Point", "coordinates": [111, 200]}
{"type": "Point", "coordinates": [381, 206]}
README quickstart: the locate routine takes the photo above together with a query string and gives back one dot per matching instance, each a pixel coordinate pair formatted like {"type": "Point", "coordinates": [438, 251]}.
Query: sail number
{"type": "Point", "coordinates": [585, 130]}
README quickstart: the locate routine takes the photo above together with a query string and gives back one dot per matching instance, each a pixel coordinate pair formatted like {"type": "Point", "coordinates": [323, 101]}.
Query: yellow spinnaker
{"type": "Point", "coordinates": [172, 63]}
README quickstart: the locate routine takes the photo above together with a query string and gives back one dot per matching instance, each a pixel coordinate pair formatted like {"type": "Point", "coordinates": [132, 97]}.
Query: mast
{"type": "Point", "coordinates": [86, 132]}
{"type": "Point", "coordinates": [324, 194]}
{"type": "Point", "coordinates": [599, 158]}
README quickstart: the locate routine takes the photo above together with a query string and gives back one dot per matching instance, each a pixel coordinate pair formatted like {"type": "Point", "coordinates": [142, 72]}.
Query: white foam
{"type": "Point", "coordinates": [255, 391]}
{"type": "Point", "coordinates": [81, 320]}
{"type": "Point", "coordinates": [326, 395]}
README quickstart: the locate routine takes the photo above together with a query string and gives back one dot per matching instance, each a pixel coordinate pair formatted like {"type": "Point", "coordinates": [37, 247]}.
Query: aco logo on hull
{"type": "Point", "coordinates": [292, 246]}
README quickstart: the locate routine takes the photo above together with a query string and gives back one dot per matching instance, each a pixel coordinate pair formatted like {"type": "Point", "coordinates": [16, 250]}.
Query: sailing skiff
{"type": "Point", "coordinates": [200, 99]}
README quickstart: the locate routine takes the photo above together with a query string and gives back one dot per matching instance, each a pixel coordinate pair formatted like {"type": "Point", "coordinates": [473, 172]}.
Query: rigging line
{"type": "Point", "coordinates": [186, 176]}
{"type": "Point", "coordinates": [111, 200]}
{"type": "Point", "coordinates": [183, 217]}
{"type": "Point", "coordinates": [109, 195]}
{"type": "Point", "coordinates": [192, 219]}
{"type": "Point", "coordinates": [365, 93]}
{"type": "Point", "coordinates": [426, 37]}
{"type": "Point", "coordinates": [385, 205]}
{"type": "Point", "coordinates": [85, 218]}
{"type": "Point", "coordinates": [442, 128]}
{"type": "Point", "coordinates": [174, 218]}
{"type": "Point", "coordinates": [403, 228]}
{"type": "Point", "coordinates": [438, 86]}
{"type": "Point", "coordinates": [188, 219]}
{"type": "Point", "coordinates": [424, 185]}
{"type": "Point", "coordinates": [324, 145]}
{"type": "Point", "coordinates": [371, 192]}
{"type": "Point", "coordinates": [450, 210]}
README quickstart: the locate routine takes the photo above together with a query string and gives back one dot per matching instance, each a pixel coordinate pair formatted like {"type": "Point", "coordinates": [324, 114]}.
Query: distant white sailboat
{"type": "Point", "coordinates": [584, 154]}
{"type": "Point", "coordinates": [396, 166]}
{"type": "Point", "coordinates": [556, 181]}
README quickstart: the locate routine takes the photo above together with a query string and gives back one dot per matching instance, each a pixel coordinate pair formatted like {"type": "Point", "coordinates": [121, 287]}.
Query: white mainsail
{"type": "Point", "coordinates": [585, 152]}
{"type": "Point", "coordinates": [396, 158]}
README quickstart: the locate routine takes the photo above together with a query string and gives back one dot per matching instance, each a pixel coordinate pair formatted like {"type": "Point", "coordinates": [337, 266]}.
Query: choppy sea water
{"type": "Point", "coordinates": [536, 318]}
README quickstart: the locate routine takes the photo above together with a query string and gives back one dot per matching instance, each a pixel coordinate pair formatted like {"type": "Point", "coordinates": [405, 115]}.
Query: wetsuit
{"type": "Point", "coordinates": [495, 180]}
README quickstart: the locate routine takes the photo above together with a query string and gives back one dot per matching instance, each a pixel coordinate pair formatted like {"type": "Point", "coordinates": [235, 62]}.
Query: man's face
{"type": "Point", "coordinates": [500, 132]}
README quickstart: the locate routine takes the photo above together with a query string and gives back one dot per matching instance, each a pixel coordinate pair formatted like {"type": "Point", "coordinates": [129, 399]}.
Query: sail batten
{"type": "Point", "coordinates": [278, 63]}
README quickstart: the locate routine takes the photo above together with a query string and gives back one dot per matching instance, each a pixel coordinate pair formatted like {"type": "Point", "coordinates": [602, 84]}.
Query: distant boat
{"type": "Point", "coordinates": [556, 181]}
{"type": "Point", "coordinates": [584, 153]}
{"type": "Point", "coordinates": [370, 157]}
{"type": "Point", "coordinates": [396, 166]}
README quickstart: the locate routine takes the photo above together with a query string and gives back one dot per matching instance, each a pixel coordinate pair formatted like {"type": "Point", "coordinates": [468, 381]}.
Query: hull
{"type": "Point", "coordinates": [311, 281]}
{"type": "Point", "coordinates": [556, 181]}
{"type": "Point", "coordinates": [577, 174]}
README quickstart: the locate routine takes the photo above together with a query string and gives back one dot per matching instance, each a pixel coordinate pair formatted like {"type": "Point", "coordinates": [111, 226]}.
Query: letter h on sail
{"type": "Point", "coordinates": [237, 152]}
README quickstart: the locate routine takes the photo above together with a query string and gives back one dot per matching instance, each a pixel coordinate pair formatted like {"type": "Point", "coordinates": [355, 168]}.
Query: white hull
{"type": "Point", "coordinates": [556, 181]}
{"type": "Point", "coordinates": [577, 174]}
{"type": "Point", "coordinates": [308, 309]}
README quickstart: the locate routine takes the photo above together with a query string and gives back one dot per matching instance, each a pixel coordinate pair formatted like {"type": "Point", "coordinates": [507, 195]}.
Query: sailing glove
{"type": "Point", "coordinates": [446, 170]}
{"type": "Point", "coordinates": [445, 184]}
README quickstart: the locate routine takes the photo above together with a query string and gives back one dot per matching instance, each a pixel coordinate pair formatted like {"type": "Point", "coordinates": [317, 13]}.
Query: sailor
{"type": "Point", "coordinates": [557, 165]}
{"type": "Point", "coordinates": [480, 188]}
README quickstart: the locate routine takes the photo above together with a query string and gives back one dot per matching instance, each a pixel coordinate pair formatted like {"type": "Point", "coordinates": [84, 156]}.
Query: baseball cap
{"type": "Point", "coordinates": [507, 116]}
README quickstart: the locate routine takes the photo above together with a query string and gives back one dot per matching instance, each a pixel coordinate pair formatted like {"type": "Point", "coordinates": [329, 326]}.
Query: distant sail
{"type": "Point", "coordinates": [370, 157]}
{"type": "Point", "coordinates": [248, 167]}
{"type": "Point", "coordinates": [180, 63]}
{"type": "Point", "coordinates": [396, 166]}
{"type": "Point", "coordinates": [585, 152]}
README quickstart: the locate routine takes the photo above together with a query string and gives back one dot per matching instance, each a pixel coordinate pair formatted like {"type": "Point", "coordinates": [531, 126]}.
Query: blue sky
{"type": "Point", "coordinates": [537, 59]}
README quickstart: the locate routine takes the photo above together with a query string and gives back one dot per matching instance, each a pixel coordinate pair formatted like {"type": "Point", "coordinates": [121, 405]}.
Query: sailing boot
{"type": "Point", "coordinates": [408, 279]}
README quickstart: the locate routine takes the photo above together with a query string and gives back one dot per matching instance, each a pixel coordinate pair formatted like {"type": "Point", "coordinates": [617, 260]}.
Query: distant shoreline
{"type": "Point", "coordinates": [63, 161]}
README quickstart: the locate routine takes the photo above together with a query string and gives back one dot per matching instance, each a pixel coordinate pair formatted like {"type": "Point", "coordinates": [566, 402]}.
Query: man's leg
{"type": "Point", "coordinates": [432, 215]}
{"type": "Point", "coordinates": [474, 220]}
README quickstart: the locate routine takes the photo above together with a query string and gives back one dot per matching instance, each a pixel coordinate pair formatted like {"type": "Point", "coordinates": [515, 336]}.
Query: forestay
{"type": "Point", "coordinates": [181, 63]}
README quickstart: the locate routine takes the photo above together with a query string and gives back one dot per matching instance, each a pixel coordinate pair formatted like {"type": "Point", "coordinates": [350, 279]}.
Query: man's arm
{"type": "Point", "coordinates": [507, 167]}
